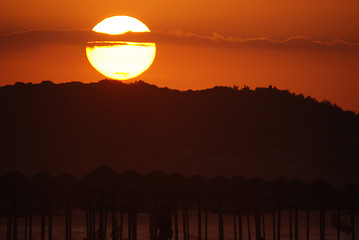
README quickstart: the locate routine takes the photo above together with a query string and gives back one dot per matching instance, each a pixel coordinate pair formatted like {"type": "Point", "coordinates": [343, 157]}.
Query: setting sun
{"type": "Point", "coordinates": [119, 25]}
{"type": "Point", "coordinates": [120, 60]}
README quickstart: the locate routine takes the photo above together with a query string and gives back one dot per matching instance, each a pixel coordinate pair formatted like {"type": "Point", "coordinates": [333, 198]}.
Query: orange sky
{"type": "Point", "coordinates": [308, 47]}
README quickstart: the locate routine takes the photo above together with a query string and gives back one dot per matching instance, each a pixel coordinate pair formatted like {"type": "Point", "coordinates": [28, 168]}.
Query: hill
{"type": "Point", "coordinates": [266, 132]}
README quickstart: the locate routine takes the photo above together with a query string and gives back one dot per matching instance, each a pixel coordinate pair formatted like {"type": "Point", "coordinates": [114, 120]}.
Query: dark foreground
{"type": "Point", "coordinates": [105, 204]}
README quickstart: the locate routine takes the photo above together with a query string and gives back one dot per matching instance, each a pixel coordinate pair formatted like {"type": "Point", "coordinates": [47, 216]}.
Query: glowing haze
{"type": "Point", "coordinates": [308, 47]}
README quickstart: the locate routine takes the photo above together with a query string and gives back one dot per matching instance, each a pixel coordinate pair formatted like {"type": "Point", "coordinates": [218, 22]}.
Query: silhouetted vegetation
{"type": "Point", "coordinates": [264, 132]}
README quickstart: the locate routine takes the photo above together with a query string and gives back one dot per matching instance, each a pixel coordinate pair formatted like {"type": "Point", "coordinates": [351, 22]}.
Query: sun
{"type": "Point", "coordinates": [120, 60]}
{"type": "Point", "coordinates": [119, 25]}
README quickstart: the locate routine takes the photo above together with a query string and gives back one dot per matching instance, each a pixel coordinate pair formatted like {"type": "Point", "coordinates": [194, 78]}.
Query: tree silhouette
{"type": "Point", "coordinates": [265, 132]}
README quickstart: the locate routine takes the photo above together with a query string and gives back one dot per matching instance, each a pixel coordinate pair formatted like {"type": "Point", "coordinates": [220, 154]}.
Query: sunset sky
{"type": "Point", "coordinates": [306, 46]}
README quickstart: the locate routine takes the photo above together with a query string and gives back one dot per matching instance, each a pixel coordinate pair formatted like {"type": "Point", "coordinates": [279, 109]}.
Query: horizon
{"type": "Point", "coordinates": [129, 82]}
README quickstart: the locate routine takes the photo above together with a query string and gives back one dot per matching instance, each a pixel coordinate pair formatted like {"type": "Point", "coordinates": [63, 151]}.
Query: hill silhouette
{"type": "Point", "coordinates": [266, 132]}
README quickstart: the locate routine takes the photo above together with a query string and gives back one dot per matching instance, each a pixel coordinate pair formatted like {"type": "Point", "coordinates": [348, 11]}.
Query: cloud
{"type": "Point", "coordinates": [35, 38]}
{"type": "Point", "coordinates": [217, 40]}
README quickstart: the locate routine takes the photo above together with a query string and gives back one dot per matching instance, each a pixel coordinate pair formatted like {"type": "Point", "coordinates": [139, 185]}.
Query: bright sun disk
{"type": "Point", "coordinates": [119, 25]}
{"type": "Point", "coordinates": [119, 59]}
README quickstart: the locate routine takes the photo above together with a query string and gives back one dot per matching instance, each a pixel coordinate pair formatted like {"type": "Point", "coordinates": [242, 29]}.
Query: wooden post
{"type": "Point", "coordinates": [234, 227]}
{"type": "Point", "coordinates": [121, 225]}
{"type": "Point", "coordinates": [321, 223]}
{"type": "Point", "coordinates": [279, 221]}
{"type": "Point", "coordinates": [338, 221]}
{"type": "Point", "coordinates": [129, 219]}
{"type": "Point", "coordinates": [49, 222]}
{"type": "Point", "coordinates": [105, 226]}
{"type": "Point", "coordinates": [240, 228]}
{"type": "Point", "coordinates": [184, 219]}
{"type": "Point", "coordinates": [25, 227]}
{"type": "Point", "coordinates": [187, 224]}
{"type": "Point", "coordinates": [206, 225]}
{"type": "Point", "coordinates": [156, 212]}
{"type": "Point", "coordinates": [90, 219]}
{"type": "Point", "coordinates": [296, 221]}
{"type": "Point", "coordinates": [308, 223]}
{"type": "Point", "coordinates": [274, 225]}
{"type": "Point", "coordinates": [15, 220]}
{"type": "Point", "coordinates": [290, 224]}
{"type": "Point", "coordinates": [199, 220]}
{"type": "Point", "coordinates": [263, 226]}
{"type": "Point", "coordinates": [257, 221]}
{"type": "Point", "coordinates": [67, 218]}
{"type": "Point", "coordinates": [43, 220]}
{"type": "Point", "coordinates": [249, 226]}
{"type": "Point", "coordinates": [42, 225]}
{"type": "Point", "coordinates": [87, 224]}
{"type": "Point", "coordinates": [30, 226]}
{"type": "Point", "coordinates": [94, 223]}
{"type": "Point", "coordinates": [134, 219]}
{"type": "Point", "coordinates": [101, 222]}
{"type": "Point", "coordinates": [9, 226]}
{"type": "Point", "coordinates": [113, 218]}
{"type": "Point", "coordinates": [352, 220]}
{"type": "Point", "coordinates": [70, 222]}
{"type": "Point", "coordinates": [150, 223]}
{"type": "Point", "coordinates": [176, 219]}
{"type": "Point", "coordinates": [220, 222]}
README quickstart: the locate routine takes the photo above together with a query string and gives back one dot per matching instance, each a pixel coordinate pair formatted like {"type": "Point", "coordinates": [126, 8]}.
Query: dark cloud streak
{"type": "Point", "coordinates": [35, 38]}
